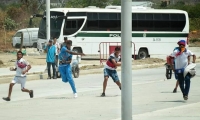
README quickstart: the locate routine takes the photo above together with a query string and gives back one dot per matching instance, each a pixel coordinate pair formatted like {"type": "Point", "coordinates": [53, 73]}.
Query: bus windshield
{"type": "Point", "coordinates": [55, 25]}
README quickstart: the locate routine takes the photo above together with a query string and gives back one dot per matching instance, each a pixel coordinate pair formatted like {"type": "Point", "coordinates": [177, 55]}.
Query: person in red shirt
{"type": "Point", "coordinates": [110, 69]}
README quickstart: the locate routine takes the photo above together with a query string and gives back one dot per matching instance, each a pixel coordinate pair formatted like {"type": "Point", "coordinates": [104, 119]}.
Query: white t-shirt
{"type": "Point", "coordinates": [109, 64]}
{"type": "Point", "coordinates": [57, 45]}
{"type": "Point", "coordinates": [181, 61]}
{"type": "Point", "coordinates": [21, 65]}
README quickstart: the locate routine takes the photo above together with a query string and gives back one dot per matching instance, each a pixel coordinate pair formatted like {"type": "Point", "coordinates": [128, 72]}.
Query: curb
{"type": "Point", "coordinates": [43, 76]}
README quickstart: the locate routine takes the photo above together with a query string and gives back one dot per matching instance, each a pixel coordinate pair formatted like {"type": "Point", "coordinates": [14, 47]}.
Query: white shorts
{"type": "Point", "coordinates": [19, 80]}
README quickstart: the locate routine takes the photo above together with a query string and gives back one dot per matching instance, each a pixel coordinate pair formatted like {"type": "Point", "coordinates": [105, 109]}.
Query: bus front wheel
{"type": "Point", "coordinates": [142, 54]}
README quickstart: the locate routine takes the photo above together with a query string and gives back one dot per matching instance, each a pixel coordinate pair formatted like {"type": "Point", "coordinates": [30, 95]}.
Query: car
{"type": "Point", "coordinates": [30, 38]}
{"type": "Point", "coordinates": [74, 67]}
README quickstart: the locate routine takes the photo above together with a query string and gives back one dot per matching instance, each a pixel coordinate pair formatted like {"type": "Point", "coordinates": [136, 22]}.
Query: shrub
{"type": "Point", "coordinates": [10, 24]}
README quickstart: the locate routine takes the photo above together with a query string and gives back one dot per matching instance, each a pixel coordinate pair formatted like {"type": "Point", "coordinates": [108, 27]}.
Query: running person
{"type": "Point", "coordinates": [110, 69]}
{"type": "Point", "coordinates": [21, 68]}
{"type": "Point", "coordinates": [181, 61]}
{"type": "Point", "coordinates": [65, 58]}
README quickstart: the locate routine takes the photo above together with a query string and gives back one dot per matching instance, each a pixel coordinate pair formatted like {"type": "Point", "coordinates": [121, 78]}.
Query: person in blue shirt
{"type": "Point", "coordinates": [50, 58]}
{"type": "Point", "coordinates": [65, 58]}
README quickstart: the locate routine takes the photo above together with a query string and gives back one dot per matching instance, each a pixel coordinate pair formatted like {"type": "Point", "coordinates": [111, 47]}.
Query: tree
{"type": "Point", "coordinates": [85, 3]}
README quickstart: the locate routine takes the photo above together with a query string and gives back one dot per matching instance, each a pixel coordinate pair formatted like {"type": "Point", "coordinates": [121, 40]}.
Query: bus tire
{"type": "Point", "coordinates": [142, 54]}
{"type": "Point", "coordinates": [34, 45]}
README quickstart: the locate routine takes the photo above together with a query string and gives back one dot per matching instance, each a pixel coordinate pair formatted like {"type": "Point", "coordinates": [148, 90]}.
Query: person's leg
{"type": "Point", "coordinates": [70, 79]}
{"type": "Point", "coordinates": [181, 83]}
{"type": "Point", "coordinates": [115, 78]}
{"type": "Point", "coordinates": [56, 62]}
{"type": "Point", "coordinates": [187, 84]}
{"type": "Point", "coordinates": [49, 70]}
{"type": "Point", "coordinates": [23, 82]}
{"type": "Point", "coordinates": [62, 70]}
{"type": "Point", "coordinates": [176, 86]}
{"type": "Point", "coordinates": [10, 89]}
{"type": "Point", "coordinates": [106, 76]}
{"type": "Point", "coordinates": [105, 83]}
{"type": "Point", "coordinates": [54, 70]}
{"type": "Point", "coordinates": [14, 81]}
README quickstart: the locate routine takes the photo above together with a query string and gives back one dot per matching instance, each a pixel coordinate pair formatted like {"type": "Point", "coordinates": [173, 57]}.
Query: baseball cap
{"type": "Point", "coordinates": [181, 42]}
{"type": "Point", "coordinates": [50, 40]}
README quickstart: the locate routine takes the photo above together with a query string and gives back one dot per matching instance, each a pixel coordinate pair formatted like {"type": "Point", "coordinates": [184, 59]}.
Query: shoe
{"type": "Point", "coordinates": [185, 97]}
{"type": "Point", "coordinates": [49, 78]}
{"type": "Point", "coordinates": [75, 95]}
{"type": "Point", "coordinates": [103, 95]}
{"type": "Point", "coordinates": [175, 90]}
{"type": "Point", "coordinates": [6, 98]}
{"type": "Point", "coordinates": [54, 77]}
{"type": "Point", "coordinates": [31, 93]}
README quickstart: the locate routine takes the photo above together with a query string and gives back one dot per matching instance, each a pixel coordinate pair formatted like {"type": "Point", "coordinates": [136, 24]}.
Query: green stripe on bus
{"type": "Point", "coordinates": [133, 35]}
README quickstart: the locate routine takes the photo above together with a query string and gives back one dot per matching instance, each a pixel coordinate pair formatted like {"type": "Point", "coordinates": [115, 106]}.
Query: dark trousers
{"type": "Point", "coordinates": [56, 61]}
{"type": "Point", "coordinates": [49, 64]}
{"type": "Point", "coordinates": [184, 83]}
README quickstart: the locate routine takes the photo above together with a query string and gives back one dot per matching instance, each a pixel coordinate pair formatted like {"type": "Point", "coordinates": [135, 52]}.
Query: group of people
{"type": "Point", "coordinates": [56, 56]}
{"type": "Point", "coordinates": [180, 55]}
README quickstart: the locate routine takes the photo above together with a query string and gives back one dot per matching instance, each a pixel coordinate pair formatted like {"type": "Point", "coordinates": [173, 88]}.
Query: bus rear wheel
{"type": "Point", "coordinates": [142, 54]}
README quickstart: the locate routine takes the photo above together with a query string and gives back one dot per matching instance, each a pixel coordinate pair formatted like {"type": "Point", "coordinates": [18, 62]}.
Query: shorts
{"type": "Point", "coordinates": [19, 80]}
{"type": "Point", "coordinates": [112, 74]}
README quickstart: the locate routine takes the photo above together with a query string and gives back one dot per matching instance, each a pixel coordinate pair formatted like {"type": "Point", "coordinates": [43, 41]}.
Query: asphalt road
{"type": "Point", "coordinates": [53, 99]}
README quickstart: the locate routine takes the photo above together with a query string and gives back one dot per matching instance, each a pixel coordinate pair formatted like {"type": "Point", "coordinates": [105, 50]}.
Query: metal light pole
{"type": "Point", "coordinates": [48, 19]}
{"type": "Point", "coordinates": [126, 41]}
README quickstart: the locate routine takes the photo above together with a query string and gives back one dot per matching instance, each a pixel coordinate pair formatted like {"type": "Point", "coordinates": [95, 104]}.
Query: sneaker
{"type": "Point", "coordinates": [185, 97]}
{"type": "Point", "coordinates": [6, 98]}
{"type": "Point", "coordinates": [175, 90]}
{"type": "Point", "coordinates": [54, 78]}
{"type": "Point", "coordinates": [103, 95]}
{"type": "Point", "coordinates": [75, 95]}
{"type": "Point", "coordinates": [49, 78]}
{"type": "Point", "coordinates": [31, 93]}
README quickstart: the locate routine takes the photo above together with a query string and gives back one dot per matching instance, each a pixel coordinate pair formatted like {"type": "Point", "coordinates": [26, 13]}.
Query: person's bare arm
{"type": "Point", "coordinates": [75, 53]}
{"type": "Point", "coordinates": [171, 63]}
{"type": "Point", "coordinates": [188, 59]}
{"type": "Point", "coordinates": [28, 68]}
{"type": "Point", "coordinates": [116, 63]}
{"type": "Point", "coordinates": [194, 58]}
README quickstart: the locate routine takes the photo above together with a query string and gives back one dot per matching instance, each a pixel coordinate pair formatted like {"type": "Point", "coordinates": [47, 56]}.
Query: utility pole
{"type": "Point", "coordinates": [126, 42]}
{"type": "Point", "coordinates": [48, 19]}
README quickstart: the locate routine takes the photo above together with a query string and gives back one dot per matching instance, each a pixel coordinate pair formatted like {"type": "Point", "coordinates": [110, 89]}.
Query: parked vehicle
{"type": "Point", "coordinates": [30, 37]}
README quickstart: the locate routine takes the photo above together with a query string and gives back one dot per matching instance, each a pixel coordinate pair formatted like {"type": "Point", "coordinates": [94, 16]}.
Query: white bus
{"type": "Point", "coordinates": [154, 31]}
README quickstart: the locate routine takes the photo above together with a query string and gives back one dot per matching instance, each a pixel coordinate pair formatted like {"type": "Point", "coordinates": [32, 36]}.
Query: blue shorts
{"type": "Point", "coordinates": [112, 74]}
